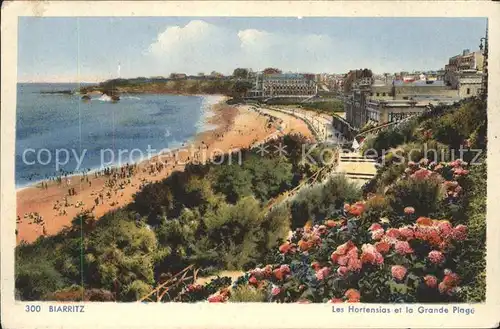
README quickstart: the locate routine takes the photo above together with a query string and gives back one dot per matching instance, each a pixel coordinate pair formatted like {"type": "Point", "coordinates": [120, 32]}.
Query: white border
{"type": "Point", "coordinates": [128, 315]}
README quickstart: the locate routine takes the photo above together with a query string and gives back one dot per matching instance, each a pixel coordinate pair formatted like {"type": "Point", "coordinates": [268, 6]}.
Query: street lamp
{"type": "Point", "coordinates": [484, 84]}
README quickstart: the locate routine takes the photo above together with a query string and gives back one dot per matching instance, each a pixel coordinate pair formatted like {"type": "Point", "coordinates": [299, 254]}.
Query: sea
{"type": "Point", "coordinates": [59, 133]}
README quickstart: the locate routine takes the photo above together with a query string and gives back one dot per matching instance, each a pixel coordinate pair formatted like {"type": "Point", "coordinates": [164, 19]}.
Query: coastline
{"type": "Point", "coordinates": [236, 126]}
{"type": "Point", "coordinates": [203, 125]}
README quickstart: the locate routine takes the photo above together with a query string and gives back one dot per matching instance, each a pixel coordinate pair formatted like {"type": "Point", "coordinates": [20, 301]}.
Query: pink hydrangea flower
{"type": "Point", "coordinates": [352, 295]}
{"type": "Point", "coordinates": [436, 257]}
{"type": "Point", "coordinates": [445, 227]}
{"type": "Point", "coordinates": [409, 210]}
{"type": "Point", "coordinates": [371, 255]}
{"type": "Point", "coordinates": [459, 233]}
{"type": "Point", "coordinates": [342, 260]}
{"type": "Point", "coordinates": [377, 234]}
{"type": "Point", "coordinates": [406, 232]}
{"type": "Point", "coordinates": [383, 247]}
{"type": "Point", "coordinates": [430, 281]}
{"type": "Point", "coordinates": [442, 288]}
{"type": "Point", "coordinates": [344, 248]}
{"type": "Point", "coordinates": [460, 172]}
{"type": "Point", "coordinates": [375, 226]}
{"type": "Point", "coordinates": [275, 290]}
{"type": "Point", "coordinates": [354, 265]}
{"type": "Point", "coordinates": [403, 248]}
{"type": "Point", "coordinates": [342, 270]}
{"type": "Point", "coordinates": [285, 269]}
{"type": "Point", "coordinates": [393, 233]}
{"type": "Point", "coordinates": [421, 174]}
{"type": "Point", "coordinates": [216, 298]}
{"type": "Point", "coordinates": [398, 272]}
{"type": "Point", "coordinates": [322, 273]}
{"type": "Point", "coordinates": [353, 252]}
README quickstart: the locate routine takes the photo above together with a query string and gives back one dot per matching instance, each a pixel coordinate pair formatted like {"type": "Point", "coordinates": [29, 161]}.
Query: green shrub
{"type": "Point", "coordinates": [35, 279]}
{"type": "Point", "coordinates": [320, 201]}
{"type": "Point", "coordinates": [376, 207]}
{"type": "Point", "coordinates": [425, 195]}
{"type": "Point", "coordinates": [247, 294]}
{"type": "Point", "coordinates": [135, 291]}
{"type": "Point", "coordinates": [473, 268]}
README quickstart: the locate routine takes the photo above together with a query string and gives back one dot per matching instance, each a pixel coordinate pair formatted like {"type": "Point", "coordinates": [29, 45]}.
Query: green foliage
{"type": "Point", "coordinates": [136, 290]}
{"type": "Point", "coordinates": [36, 278]}
{"type": "Point", "coordinates": [232, 181]}
{"type": "Point", "coordinates": [237, 234]}
{"type": "Point", "coordinates": [425, 195]}
{"type": "Point", "coordinates": [120, 253]}
{"type": "Point", "coordinates": [247, 294]}
{"type": "Point", "coordinates": [383, 142]}
{"type": "Point", "coordinates": [270, 177]}
{"type": "Point", "coordinates": [241, 73]}
{"type": "Point", "coordinates": [376, 207]}
{"type": "Point", "coordinates": [320, 201]}
{"type": "Point", "coordinates": [473, 268]}
{"type": "Point", "coordinates": [330, 106]}
{"type": "Point", "coordinates": [454, 127]}
{"type": "Point", "coordinates": [241, 87]}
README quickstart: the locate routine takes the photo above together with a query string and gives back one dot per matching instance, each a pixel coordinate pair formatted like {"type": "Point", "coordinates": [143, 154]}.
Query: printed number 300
{"type": "Point", "coordinates": [33, 308]}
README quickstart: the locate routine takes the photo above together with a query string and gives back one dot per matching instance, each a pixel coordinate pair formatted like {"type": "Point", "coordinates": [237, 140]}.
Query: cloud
{"type": "Point", "coordinates": [202, 47]}
{"type": "Point", "coordinates": [196, 47]}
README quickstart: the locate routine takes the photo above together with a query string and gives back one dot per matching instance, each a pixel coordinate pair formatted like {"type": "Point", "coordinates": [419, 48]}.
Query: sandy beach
{"type": "Point", "coordinates": [46, 211]}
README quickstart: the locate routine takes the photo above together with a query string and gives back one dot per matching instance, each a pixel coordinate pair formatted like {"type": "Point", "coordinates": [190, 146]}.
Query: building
{"type": "Point", "coordinates": [380, 103]}
{"type": "Point", "coordinates": [178, 76]}
{"type": "Point", "coordinates": [288, 84]}
{"type": "Point", "coordinates": [407, 90]}
{"type": "Point", "coordinates": [355, 106]}
{"type": "Point", "coordinates": [384, 111]}
{"type": "Point", "coordinates": [468, 83]}
{"type": "Point", "coordinates": [463, 72]}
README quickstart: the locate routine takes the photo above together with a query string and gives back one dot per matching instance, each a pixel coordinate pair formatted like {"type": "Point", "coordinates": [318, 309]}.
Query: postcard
{"type": "Point", "coordinates": [250, 164]}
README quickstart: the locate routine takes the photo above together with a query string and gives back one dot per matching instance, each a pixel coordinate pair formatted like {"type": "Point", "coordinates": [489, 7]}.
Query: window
{"type": "Point", "coordinates": [468, 91]}
{"type": "Point", "coordinates": [378, 94]}
{"type": "Point", "coordinates": [383, 94]}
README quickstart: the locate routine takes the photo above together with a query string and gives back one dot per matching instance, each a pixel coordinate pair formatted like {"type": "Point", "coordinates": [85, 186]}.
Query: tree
{"type": "Point", "coordinates": [241, 87]}
{"type": "Point", "coordinates": [233, 181]}
{"type": "Point", "coordinates": [240, 73]}
{"type": "Point", "coordinates": [216, 74]}
{"type": "Point", "coordinates": [119, 252]}
{"type": "Point", "coordinates": [272, 70]}
{"type": "Point", "coordinates": [34, 280]}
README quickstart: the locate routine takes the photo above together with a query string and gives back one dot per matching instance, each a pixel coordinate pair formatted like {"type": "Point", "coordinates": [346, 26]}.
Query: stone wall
{"type": "Point", "coordinates": [408, 91]}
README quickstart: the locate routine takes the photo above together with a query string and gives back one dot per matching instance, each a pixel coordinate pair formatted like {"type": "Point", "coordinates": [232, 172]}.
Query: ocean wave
{"type": "Point", "coordinates": [207, 103]}
{"type": "Point", "coordinates": [105, 98]}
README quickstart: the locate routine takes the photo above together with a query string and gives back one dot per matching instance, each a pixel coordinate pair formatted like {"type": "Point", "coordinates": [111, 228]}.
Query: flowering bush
{"type": "Point", "coordinates": [344, 260]}
{"type": "Point", "coordinates": [429, 188]}
{"type": "Point", "coordinates": [338, 262]}
{"type": "Point", "coordinates": [213, 291]}
{"type": "Point", "coordinates": [403, 258]}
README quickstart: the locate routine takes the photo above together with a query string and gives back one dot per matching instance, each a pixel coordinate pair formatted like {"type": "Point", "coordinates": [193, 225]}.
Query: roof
{"type": "Point", "coordinates": [419, 83]}
{"type": "Point", "coordinates": [288, 76]}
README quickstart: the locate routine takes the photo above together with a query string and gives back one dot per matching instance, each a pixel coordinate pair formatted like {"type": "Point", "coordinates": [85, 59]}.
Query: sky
{"type": "Point", "coordinates": [90, 49]}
